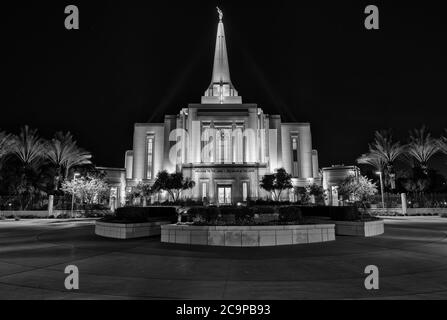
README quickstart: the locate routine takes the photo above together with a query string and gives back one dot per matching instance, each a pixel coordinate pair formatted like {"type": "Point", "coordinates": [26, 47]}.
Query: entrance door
{"type": "Point", "coordinates": [224, 195]}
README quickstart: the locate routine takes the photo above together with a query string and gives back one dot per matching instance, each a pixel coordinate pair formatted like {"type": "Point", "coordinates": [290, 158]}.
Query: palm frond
{"type": "Point", "coordinates": [6, 143]}
{"type": "Point", "coordinates": [373, 160]}
{"type": "Point", "coordinates": [442, 143]}
{"type": "Point", "coordinates": [28, 146]}
{"type": "Point", "coordinates": [64, 152]}
{"type": "Point", "coordinates": [422, 146]}
{"type": "Point", "coordinates": [384, 148]}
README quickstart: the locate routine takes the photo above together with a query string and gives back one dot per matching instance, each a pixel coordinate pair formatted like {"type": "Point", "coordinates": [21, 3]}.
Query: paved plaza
{"type": "Point", "coordinates": [411, 257]}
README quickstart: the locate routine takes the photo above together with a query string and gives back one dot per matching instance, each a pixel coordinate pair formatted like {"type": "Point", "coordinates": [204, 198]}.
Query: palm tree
{"type": "Point", "coordinates": [422, 147]}
{"type": "Point", "coordinates": [64, 153]}
{"type": "Point", "coordinates": [382, 154]}
{"type": "Point", "coordinates": [6, 143]}
{"type": "Point", "coordinates": [442, 143]}
{"type": "Point", "coordinates": [78, 157]}
{"type": "Point", "coordinates": [384, 149]}
{"type": "Point", "coordinates": [29, 149]}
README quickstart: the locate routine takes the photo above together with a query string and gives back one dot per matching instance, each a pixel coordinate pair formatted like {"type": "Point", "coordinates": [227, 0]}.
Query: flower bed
{"type": "Point", "coordinates": [247, 236]}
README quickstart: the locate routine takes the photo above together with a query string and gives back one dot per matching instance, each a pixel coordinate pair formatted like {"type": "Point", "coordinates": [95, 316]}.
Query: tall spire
{"type": "Point", "coordinates": [221, 69]}
{"type": "Point", "coordinates": [221, 90]}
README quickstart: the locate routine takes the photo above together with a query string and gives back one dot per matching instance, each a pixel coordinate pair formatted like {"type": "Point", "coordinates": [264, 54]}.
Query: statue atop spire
{"type": "Point", "coordinates": [220, 13]}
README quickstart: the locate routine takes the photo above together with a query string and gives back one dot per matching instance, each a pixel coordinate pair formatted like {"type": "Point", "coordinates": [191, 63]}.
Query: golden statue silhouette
{"type": "Point", "coordinates": [220, 13]}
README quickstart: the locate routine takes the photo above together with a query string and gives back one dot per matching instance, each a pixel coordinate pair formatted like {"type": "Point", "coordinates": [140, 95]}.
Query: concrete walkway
{"type": "Point", "coordinates": [411, 257]}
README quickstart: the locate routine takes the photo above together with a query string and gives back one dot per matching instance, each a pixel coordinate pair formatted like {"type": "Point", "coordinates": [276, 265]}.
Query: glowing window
{"type": "Point", "coordinates": [150, 156]}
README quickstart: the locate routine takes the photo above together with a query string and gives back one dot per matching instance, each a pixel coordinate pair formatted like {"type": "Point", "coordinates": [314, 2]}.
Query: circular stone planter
{"type": "Point", "coordinates": [247, 236]}
{"type": "Point", "coordinates": [128, 230]}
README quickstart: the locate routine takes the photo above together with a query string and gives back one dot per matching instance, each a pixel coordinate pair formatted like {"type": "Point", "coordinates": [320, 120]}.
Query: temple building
{"type": "Point", "coordinates": [224, 145]}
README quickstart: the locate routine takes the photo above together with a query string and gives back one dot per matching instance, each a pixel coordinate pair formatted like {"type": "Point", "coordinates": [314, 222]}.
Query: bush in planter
{"type": "Point", "coordinates": [220, 215]}
{"type": "Point", "coordinates": [346, 213]}
{"type": "Point", "coordinates": [263, 210]}
{"type": "Point", "coordinates": [142, 214]}
{"type": "Point", "coordinates": [262, 202]}
{"type": "Point", "coordinates": [203, 214]}
{"type": "Point", "coordinates": [290, 214]}
{"type": "Point", "coordinates": [243, 215]}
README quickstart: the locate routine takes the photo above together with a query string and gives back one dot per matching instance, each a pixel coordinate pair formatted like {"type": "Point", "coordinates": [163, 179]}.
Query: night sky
{"type": "Point", "coordinates": [135, 62]}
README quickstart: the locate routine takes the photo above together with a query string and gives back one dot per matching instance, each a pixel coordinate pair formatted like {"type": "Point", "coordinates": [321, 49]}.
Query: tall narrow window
{"type": "Point", "coordinates": [295, 156]}
{"type": "Point", "coordinates": [207, 150]}
{"type": "Point", "coordinates": [204, 190]}
{"type": "Point", "coordinates": [150, 157]}
{"type": "Point", "coordinates": [244, 191]}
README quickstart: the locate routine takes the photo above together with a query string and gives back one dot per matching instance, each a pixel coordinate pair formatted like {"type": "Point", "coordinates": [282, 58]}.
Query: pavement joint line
{"type": "Point", "coordinates": [84, 292]}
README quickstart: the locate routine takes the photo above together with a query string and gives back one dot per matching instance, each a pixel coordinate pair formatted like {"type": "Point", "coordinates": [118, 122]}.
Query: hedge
{"type": "Point", "coordinates": [142, 214]}
{"type": "Point", "coordinates": [290, 214]}
{"type": "Point", "coordinates": [287, 213]}
{"type": "Point", "coordinates": [348, 213]}
{"type": "Point", "coordinates": [212, 214]}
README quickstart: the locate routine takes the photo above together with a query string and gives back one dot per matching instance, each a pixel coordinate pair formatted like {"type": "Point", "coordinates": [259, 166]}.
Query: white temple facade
{"type": "Point", "coordinates": [221, 143]}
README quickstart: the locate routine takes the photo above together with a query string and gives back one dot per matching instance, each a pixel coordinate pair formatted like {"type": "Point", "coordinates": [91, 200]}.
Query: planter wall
{"type": "Point", "coordinates": [361, 229]}
{"type": "Point", "coordinates": [247, 236]}
{"type": "Point", "coordinates": [128, 231]}
{"type": "Point", "coordinates": [410, 211]}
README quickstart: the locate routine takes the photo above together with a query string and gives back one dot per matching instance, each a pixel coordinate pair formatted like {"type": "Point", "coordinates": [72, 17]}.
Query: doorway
{"type": "Point", "coordinates": [224, 194]}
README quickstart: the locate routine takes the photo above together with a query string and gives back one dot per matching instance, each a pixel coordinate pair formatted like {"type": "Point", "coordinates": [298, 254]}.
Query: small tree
{"type": "Point", "coordinates": [89, 189]}
{"type": "Point", "coordinates": [301, 192]}
{"type": "Point", "coordinates": [173, 183]}
{"type": "Point", "coordinates": [360, 190]}
{"type": "Point", "coordinates": [142, 190]}
{"type": "Point", "coordinates": [276, 183]}
{"type": "Point", "coordinates": [315, 191]}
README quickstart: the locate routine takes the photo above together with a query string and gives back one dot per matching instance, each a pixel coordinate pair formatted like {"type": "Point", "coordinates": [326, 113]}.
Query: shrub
{"type": "Point", "coordinates": [203, 214]}
{"type": "Point", "coordinates": [143, 214]}
{"type": "Point", "coordinates": [262, 202]}
{"type": "Point", "coordinates": [290, 214]}
{"type": "Point", "coordinates": [263, 210]}
{"type": "Point", "coordinates": [243, 215]}
{"type": "Point", "coordinates": [347, 213]}
{"type": "Point", "coordinates": [220, 215]}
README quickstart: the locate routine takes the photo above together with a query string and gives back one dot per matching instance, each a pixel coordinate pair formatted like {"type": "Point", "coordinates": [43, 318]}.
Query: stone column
{"type": "Point", "coordinates": [305, 151]}
{"type": "Point", "coordinates": [139, 152]}
{"type": "Point", "coordinates": [315, 168]}
{"type": "Point", "coordinates": [251, 145]}
{"type": "Point", "coordinates": [403, 198]}
{"type": "Point", "coordinates": [50, 205]}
